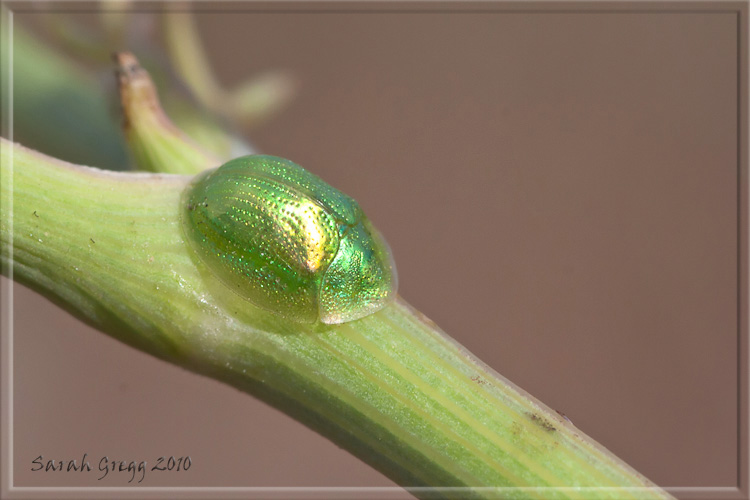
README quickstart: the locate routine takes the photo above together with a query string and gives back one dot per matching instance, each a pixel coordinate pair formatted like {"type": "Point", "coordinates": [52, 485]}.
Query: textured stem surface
{"type": "Point", "coordinates": [391, 388]}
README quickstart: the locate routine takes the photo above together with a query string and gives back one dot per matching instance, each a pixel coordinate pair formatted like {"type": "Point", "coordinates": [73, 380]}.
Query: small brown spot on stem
{"type": "Point", "coordinates": [541, 421]}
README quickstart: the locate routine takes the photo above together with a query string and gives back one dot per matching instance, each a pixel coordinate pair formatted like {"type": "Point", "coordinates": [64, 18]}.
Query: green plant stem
{"type": "Point", "coordinates": [391, 388]}
{"type": "Point", "coordinates": [155, 142]}
{"type": "Point", "coordinates": [62, 108]}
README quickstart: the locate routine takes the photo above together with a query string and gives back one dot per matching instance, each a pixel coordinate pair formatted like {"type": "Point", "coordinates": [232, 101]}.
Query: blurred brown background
{"type": "Point", "coordinates": [560, 192]}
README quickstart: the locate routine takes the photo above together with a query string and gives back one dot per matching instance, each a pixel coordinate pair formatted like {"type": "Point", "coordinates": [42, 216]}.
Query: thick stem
{"type": "Point", "coordinates": [391, 388]}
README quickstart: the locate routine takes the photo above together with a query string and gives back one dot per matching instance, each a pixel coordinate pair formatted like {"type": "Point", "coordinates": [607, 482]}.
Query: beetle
{"type": "Point", "coordinates": [288, 242]}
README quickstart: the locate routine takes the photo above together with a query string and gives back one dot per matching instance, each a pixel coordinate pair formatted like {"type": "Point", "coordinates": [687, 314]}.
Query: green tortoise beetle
{"type": "Point", "coordinates": [288, 242]}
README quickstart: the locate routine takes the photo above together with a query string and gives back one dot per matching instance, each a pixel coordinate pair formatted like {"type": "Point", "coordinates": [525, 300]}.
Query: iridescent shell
{"type": "Point", "coordinates": [288, 242]}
